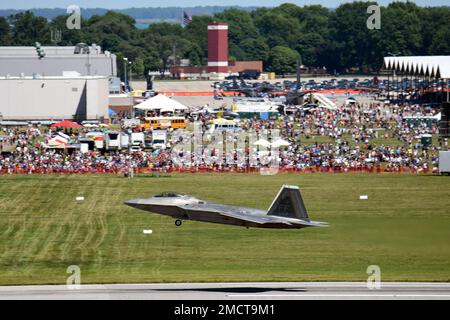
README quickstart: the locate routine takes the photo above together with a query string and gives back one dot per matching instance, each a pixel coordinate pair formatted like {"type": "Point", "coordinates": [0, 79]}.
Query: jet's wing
{"type": "Point", "coordinates": [249, 214]}
{"type": "Point", "coordinates": [272, 219]}
{"type": "Point", "coordinates": [253, 218]}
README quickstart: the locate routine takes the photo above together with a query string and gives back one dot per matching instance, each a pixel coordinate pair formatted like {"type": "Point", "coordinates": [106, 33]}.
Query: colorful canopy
{"type": "Point", "coordinates": [65, 124]}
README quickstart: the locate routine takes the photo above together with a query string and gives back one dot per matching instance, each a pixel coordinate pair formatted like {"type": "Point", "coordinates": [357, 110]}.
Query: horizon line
{"type": "Point", "coordinates": [208, 6]}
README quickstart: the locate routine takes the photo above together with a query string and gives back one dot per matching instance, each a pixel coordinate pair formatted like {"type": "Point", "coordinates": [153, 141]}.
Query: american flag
{"type": "Point", "coordinates": [186, 18]}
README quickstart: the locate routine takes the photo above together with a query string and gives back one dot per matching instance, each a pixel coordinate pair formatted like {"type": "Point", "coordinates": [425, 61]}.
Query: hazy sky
{"type": "Point", "coordinates": [119, 4]}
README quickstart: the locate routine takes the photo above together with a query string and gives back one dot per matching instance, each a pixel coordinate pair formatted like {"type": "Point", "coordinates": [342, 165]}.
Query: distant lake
{"type": "Point", "coordinates": [144, 23]}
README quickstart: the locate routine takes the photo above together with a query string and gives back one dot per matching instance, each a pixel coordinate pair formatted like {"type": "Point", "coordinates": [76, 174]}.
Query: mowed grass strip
{"type": "Point", "coordinates": [404, 228]}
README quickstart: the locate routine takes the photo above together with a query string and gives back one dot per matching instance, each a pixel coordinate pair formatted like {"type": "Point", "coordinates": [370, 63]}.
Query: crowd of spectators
{"type": "Point", "coordinates": [370, 137]}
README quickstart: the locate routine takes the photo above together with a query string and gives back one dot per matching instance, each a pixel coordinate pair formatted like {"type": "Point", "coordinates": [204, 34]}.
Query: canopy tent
{"type": "Point", "coordinates": [280, 143]}
{"type": "Point", "coordinates": [167, 109]}
{"type": "Point", "coordinates": [223, 122]}
{"type": "Point", "coordinates": [275, 144]}
{"type": "Point", "coordinates": [160, 102]}
{"type": "Point", "coordinates": [65, 124]}
{"type": "Point", "coordinates": [428, 66]}
{"type": "Point", "coordinates": [61, 140]}
{"type": "Point", "coordinates": [262, 142]}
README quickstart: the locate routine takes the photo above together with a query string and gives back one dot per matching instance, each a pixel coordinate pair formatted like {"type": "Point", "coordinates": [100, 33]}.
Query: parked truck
{"type": "Point", "coordinates": [98, 139]}
{"type": "Point", "coordinates": [159, 139]}
{"type": "Point", "coordinates": [113, 139]}
{"type": "Point", "coordinates": [444, 162]}
{"type": "Point", "coordinates": [137, 141]}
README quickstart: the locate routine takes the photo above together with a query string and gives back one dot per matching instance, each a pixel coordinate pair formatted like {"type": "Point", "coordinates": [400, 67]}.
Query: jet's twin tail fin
{"type": "Point", "coordinates": [288, 204]}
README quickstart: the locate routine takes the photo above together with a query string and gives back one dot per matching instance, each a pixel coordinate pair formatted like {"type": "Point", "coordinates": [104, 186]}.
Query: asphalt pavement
{"type": "Point", "coordinates": [232, 291]}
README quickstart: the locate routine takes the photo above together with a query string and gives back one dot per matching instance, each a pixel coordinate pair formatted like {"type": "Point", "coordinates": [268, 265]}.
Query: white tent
{"type": "Point", "coordinates": [429, 66]}
{"type": "Point", "coordinates": [159, 102]}
{"type": "Point", "coordinates": [167, 109]}
{"type": "Point", "coordinates": [262, 142]}
{"type": "Point", "coordinates": [280, 143]}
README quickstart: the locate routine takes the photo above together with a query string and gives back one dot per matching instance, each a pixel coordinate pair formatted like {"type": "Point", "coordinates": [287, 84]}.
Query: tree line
{"type": "Point", "coordinates": [337, 39]}
{"type": "Point", "coordinates": [150, 13]}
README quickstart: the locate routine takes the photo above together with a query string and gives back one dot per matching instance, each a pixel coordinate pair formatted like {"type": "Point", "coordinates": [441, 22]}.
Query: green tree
{"type": "Point", "coordinates": [138, 66]}
{"type": "Point", "coordinates": [311, 46]}
{"type": "Point", "coordinates": [283, 60]}
{"type": "Point", "coordinates": [152, 62]}
{"type": "Point", "coordinates": [5, 33]}
{"type": "Point", "coordinates": [441, 42]}
{"type": "Point", "coordinates": [433, 20]}
{"type": "Point", "coordinates": [255, 49]}
{"type": "Point", "coordinates": [315, 19]}
{"type": "Point", "coordinates": [338, 39]}
{"type": "Point", "coordinates": [401, 30]}
{"type": "Point", "coordinates": [278, 29]}
{"type": "Point", "coordinates": [194, 54]}
{"type": "Point", "coordinates": [29, 29]}
{"type": "Point", "coordinates": [112, 23]}
{"type": "Point", "coordinates": [68, 37]}
{"type": "Point", "coordinates": [354, 41]}
{"type": "Point", "coordinates": [240, 28]}
{"type": "Point", "coordinates": [197, 33]}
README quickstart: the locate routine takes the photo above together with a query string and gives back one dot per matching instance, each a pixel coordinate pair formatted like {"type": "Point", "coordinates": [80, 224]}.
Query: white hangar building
{"type": "Point", "coordinates": [72, 97]}
{"type": "Point", "coordinates": [86, 60]}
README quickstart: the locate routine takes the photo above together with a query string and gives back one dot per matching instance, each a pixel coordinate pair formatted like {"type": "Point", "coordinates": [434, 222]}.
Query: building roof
{"type": "Point", "coordinates": [239, 66]}
{"type": "Point", "coordinates": [50, 51]}
{"type": "Point", "coordinates": [159, 102]}
{"type": "Point", "coordinates": [429, 66]}
{"type": "Point", "coordinates": [235, 67]}
{"type": "Point", "coordinates": [42, 78]}
{"type": "Point", "coordinates": [188, 69]}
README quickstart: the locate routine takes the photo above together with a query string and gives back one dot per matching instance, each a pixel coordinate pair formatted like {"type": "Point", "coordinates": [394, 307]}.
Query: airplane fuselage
{"type": "Point", "coordinates": [286, 212]}
{"type": "Point", "coordinates": [191, 208]}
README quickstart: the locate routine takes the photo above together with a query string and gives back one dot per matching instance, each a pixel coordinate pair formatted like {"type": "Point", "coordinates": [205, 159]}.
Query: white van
{"type": "Point", "coordinates": [113, 140]}
{"type": "Point", "coordinates": [137, 141]}
{"type": "Point", "coordinates": [159, 139]}
{"type": "Point", "coordinates": [98, 137]}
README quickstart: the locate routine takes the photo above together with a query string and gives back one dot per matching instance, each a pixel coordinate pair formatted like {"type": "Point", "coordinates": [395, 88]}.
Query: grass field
{"type": "Point", "coordinates": [404, 228]}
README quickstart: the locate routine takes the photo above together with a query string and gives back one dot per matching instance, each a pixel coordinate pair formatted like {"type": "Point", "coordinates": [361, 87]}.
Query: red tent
{"type": "Point", "coordinates": [65, 124]}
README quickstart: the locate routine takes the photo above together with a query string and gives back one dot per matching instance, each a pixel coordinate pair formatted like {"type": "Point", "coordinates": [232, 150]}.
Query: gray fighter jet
{"type": "Point", "coordinates": [287, 210]}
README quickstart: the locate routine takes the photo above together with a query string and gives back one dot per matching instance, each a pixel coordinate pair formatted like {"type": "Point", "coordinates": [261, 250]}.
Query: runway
{"type": "Point", "coordinates": [232, 291]}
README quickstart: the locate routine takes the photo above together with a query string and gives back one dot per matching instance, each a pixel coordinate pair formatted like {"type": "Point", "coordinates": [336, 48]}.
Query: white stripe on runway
{"type": "Point", "coordinates": [306, 295]}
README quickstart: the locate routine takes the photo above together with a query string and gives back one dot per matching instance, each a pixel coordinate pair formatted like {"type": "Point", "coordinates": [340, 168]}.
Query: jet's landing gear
{"type": "Point", "coordinates": [178, 222]}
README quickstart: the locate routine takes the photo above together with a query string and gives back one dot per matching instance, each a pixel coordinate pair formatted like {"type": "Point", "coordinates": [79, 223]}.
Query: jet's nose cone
{"type": "Point", "coordinates": [133, 203]}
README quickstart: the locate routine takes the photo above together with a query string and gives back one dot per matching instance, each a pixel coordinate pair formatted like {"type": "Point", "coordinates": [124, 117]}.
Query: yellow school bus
{"type": "Point", "coordinates": [158, 123]}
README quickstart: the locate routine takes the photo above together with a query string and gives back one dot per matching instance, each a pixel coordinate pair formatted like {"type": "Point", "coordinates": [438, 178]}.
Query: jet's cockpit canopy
{"type": "Point", "coordinates": [169, 195]}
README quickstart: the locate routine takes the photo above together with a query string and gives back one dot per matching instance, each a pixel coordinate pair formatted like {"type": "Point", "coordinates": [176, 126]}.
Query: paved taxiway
{"type": "Point", "coordinates": [233, 291]}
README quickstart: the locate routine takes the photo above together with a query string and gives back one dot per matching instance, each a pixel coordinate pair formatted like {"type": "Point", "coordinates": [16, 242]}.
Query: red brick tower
{"type": "Point", "coordinates": [218, 47]}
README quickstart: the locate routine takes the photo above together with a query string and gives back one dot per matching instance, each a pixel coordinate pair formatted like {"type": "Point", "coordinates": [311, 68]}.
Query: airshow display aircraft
{"type": "Point", "coordinates": [287, 210]}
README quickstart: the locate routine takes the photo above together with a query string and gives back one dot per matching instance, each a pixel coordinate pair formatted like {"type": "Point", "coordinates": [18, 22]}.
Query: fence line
{"type": "Point", "coordinates": [307, 170]}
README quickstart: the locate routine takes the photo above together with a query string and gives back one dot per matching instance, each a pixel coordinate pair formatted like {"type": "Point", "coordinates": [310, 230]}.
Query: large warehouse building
{"type": "Point", "coordinates": [86, 60]}
{"type": "Point", "coordinates": [72, 97]}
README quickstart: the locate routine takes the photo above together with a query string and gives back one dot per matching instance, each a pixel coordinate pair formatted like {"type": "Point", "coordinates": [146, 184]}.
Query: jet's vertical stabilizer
{"type": "Point", "coordinates": [289, 204]}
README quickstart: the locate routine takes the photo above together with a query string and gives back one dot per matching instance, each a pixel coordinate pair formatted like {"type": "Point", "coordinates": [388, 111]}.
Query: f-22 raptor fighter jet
{"type": "Point", "coordinates": [287, 210]}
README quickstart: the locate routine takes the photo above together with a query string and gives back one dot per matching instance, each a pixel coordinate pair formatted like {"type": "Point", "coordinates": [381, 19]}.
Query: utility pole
{"type": "Point", "coordinates": [174, 48]}
{"type": "Point", "coordinates": [131, 74]}
{"type": "Point", "coordinates": [299, 77]}
{"type": "Point", "coordinates": [125, 60]}
{"type": "Point", "coordinates": [89, 62]}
